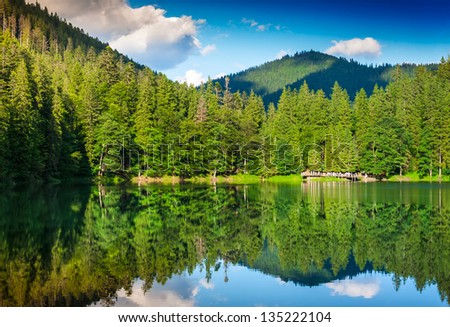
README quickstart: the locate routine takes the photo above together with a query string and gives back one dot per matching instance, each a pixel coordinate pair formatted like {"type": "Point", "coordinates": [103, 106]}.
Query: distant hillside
{"type": "Point", "coordinates": [319, 70]}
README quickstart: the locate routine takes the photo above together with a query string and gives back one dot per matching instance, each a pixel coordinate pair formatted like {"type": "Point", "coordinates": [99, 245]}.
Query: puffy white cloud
{"type": "Point", "coordinates": [368, 47]}
{"type": "Point", "coordinates": [208, 49]}
{"type": "Point", "coordinates": [192, 77]}
{"type": "Point", "coordinates": [353, 288]}
{"type": "Point", "coordinates": [145, 34]}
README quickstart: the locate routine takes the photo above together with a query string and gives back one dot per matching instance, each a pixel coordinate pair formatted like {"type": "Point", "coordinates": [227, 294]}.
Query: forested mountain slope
{"type": "Point", "coordinates": [319, 70]}
{"type": "Point", "coordinates": [71, 106]}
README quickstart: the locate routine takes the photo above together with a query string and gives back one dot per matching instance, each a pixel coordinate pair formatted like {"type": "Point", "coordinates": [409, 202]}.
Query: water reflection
{"type": "Point", "coordinates": [193, 245]}
{"type": "Point", "coordinates": [177, 292]}
{"type": "Point", "coordinates": [367, 287]}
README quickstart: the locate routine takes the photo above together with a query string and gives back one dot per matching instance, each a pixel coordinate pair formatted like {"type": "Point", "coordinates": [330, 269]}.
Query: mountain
{"type": "Point", "coordinates": [319, 70]}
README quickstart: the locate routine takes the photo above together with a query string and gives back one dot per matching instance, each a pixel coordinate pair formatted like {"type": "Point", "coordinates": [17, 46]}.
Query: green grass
{"type": "Point", "coordinates": [237, 179]}
{"type": "Point", "coordinates": [414, 177]}
{"type": "Point", "coordinates": [290, 179]}
{"type": "Point", "coordinates": [234, 179]}
{"type": "Point", "coordinates": [240, 179]}
{"type": "Point", "coordinates": [156, 180]}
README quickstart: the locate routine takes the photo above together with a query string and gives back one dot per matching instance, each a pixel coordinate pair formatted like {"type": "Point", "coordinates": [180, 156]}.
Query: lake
{"type": "Point", "coordinates": [313, 244]}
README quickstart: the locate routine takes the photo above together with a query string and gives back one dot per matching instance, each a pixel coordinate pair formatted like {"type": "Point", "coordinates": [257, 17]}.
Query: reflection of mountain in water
{"type": "Point", "coordinates": [269, 263]}
{"type": "Point", "coordinates": [72, 246]}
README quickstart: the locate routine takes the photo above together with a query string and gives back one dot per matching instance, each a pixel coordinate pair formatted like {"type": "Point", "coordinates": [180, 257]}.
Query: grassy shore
{"type": "Point", "coordinates": [414, 177]}
{"type": "Point", "coordinates": [254, 179]}
{"type": "Point", "coordinates": [233, 180]}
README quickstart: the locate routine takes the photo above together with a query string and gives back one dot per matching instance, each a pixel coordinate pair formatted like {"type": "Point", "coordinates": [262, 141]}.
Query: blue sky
{"type": "Point", "coordinates": [196, 39]}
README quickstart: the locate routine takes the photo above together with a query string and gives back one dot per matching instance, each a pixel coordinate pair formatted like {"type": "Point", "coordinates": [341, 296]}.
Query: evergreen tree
{"type": "Point", "coordinates": [24, 137]}
{"type": "Point", "coordinates": [341, 153]}
{"type": "Point", "coordinates": [70, 105]}
{"type": "Point", "coordinates": [362, 125]}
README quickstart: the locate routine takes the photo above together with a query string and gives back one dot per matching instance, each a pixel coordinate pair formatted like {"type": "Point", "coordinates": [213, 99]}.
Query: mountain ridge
{"type": "Point", "coordinates": [318, 70]}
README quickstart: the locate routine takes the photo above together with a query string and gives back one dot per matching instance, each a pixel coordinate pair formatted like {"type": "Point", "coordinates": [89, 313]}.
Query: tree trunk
{"type": "Point", "coordinates": [431, 168]}
{"type": "Point", "coordinates": [440, 165]}
{"type": "Point", "coordinates": [102, 157]}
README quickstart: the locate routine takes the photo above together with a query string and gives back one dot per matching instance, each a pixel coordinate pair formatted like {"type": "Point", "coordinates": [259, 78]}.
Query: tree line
{"type": "Point", "coordinates": [71, 108]}
{"type": "Point", "coordinates": [319, 70]}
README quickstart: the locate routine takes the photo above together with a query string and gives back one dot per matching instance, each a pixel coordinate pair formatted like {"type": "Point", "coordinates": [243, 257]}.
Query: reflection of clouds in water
{"type": "Point", "coordinates": [365, 287]}
{"type": "Point", "coordinates": [179, 291]}
{"type": "Point", "coordinates": [207, 285]}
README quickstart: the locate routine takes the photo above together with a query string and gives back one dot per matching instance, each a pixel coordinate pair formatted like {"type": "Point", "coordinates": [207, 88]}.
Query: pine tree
{"type": "Point", "coordinates": [4, 124]}
{"type": "Point", "coordinates": [267, 132]}
{"type": "Point", "coordinates": [314, 150]}
{"type": "Point", "coordinates": [362, 125]}
{"type": "Point", "coordinates": [148, 137]}
{"type": "Point", "coordinates": [24, 138]}
{"type": "Point", "coordinates": [341, 153]}
{"type": "Point", "coordinates": [91, 107]}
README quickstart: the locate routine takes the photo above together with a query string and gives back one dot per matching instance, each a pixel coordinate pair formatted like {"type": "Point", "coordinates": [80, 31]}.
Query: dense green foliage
{"type": "Point", "coordinates": [36, 28]}
{"type": "Point", "coordinates": [319, 70]}
{"type": "Point", "coordinates": [72, 106]}
{"type": "Point", "coordinates": [74, 246]}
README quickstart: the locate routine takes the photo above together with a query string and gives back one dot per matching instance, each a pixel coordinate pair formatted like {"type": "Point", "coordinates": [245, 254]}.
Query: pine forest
{"type": "Point", "coordinates": [71, 106]}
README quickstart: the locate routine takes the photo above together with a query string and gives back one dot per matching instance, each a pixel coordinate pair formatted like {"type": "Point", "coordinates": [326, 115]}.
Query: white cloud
{"type": "Point", "coordinates": [145, 34]}
{"type": "Point", "coordinates": [192, 77]}
{"type": "Point", "coordinates": [254, 24]}
{"type": "Point", "coordinates": [281, 54]}
{"type": "Point", "coordinates": [208, 49]}
{"type": "Point", "coordinates": [250, 22]}
{"type": "Point", "coordinates": [262, 28]}
{"type": "Point", "coordinates": [352, 288]}
{"type": "Point", "coordinates": [368, 47]}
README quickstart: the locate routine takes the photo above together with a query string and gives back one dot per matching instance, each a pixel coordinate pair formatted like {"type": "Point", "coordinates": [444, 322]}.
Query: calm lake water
{"type": "Point", "coordinates": [316, 244]}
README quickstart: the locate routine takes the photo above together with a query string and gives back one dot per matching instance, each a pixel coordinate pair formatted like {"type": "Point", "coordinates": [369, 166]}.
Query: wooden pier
{"type": "Point", "coordinates": [347, 175]}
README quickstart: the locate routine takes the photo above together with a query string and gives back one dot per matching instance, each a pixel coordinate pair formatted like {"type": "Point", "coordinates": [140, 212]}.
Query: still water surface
{"type": "Point", "coordinates": [316, 244]}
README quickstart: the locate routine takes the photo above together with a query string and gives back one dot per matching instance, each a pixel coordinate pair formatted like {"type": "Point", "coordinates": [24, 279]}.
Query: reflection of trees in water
{"type": "Point", "coordinates": [77, 246]}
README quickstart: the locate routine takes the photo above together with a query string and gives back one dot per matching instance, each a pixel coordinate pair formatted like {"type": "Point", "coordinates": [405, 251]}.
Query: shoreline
{"type": "Point", "coordinates": [290, 179]}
